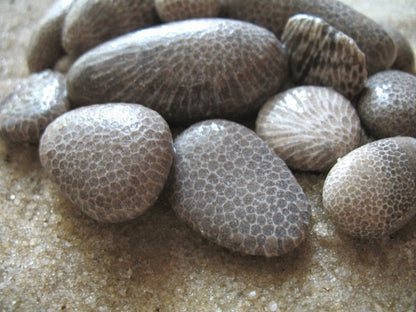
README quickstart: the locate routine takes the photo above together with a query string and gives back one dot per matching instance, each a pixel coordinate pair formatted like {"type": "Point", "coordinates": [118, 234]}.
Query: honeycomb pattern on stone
{"type": "Point", "coordinates": [387, 106]}
{"type": "Point", "coordinates": [111, 160]}
{"type": "Point", "coordinates": [35, 102]}
{"type": "Point", "coordinates": [187, 71]}
{"type": "Point", "coordinates": [233, 189]}
{"type": "Point", "coordinates": [174, 10]}
{"type": "Point", "coordinates": [371, 192]}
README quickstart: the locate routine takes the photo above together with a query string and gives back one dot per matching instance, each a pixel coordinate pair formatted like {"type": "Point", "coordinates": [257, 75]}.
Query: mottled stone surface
{"type": "Point", "coordinates": [175, 10]}
{"type": "Point", "coordinates": [231, 188]}
{"type": "Point", "coordinates": [91, 22]}
{"type": "Point", "coordinates": [111, 160]}
{"type": "Point", "coordinates": [34, 103]}
{"type": "Point", "coordinates": [371, 191]}
{"type": "Point", "coordinates": [54, 257]}
{"type": "Point", "coordinates": [321, 55]}
{"type": "Point", "coordinates": [187, 70]}
{"type": "Point", "coordinates": [309, 127]}
{"type": "Point", "coordinates": [387, 106]}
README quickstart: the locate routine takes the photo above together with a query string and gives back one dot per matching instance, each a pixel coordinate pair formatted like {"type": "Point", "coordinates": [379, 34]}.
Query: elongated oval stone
{"type": "Point", "coordinates": [229, 186]}
{"type": "Point", "coordinates": [370, 37]}
{"type": "Point", "coordinates": [371, 192]}
{"type": "Point", "coordinates": [187, 71]}
{"type": "Point", "coordinates": [111, 160]}
{"type": "Point", "coordinates": [91, 22]}
{"type": "Point", "coordinates": [45, 45]}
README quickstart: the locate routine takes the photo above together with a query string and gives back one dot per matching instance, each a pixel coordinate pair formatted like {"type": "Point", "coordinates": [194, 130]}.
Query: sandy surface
{"type": "Point", "coordinates": [54, 258]}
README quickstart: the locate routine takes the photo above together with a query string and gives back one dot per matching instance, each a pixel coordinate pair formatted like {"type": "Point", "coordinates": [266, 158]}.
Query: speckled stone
{"type": "Point", "coordinates": [229, 186]}
{"type": "Point", "coordinates": [321, 55]}
{"type": "Point", "coordinates": [35, 102]}
{"type": "Point", "coordinates": [387, 106]}
{"type": "Point", "coordinates": [111, 160]}
{"type": "Point", "coordinates": [371, 192]}
{"type": "Point", "coordinates": [371, 38]}
{"type": "Point", "coordinates": [45, 45]}
{"type": "Point", "coordinates": [187, 70]}
{"type": "Point", "coordinates": [174, 10]}
{"type": "Point", "coordinates": [91, 22]}
{"type": "Point", "coordinates": [309, 127]}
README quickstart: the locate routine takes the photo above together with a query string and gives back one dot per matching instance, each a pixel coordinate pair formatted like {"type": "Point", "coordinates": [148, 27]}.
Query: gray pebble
{"type": "Point", "coordinates": [234, 190]}
{"type": "Point", "coordinates": [35, 102]}
{"type": "Point", "coordinates": [187, 71]}
{"type": "Point", "coordinates": [321, 55]}
{"type": "Point", "coordinates": [371, 38]}
{"type": "Point", "coordinates": [91, 22]}
{"type": "Point", "coordinates": [371, 192]}
{"type": "Point", "coordinates": [309, 127]}
{"type": "Point", "coordinates": [111, 160]}
{"type": "Point", "coordinates": [45, 46]}
{"type": "Point", "coordinates": [387, 106]}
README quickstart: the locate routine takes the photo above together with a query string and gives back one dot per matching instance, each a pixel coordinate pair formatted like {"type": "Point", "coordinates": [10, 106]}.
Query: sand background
{"type": "Point", "coordinates": [54, 258]}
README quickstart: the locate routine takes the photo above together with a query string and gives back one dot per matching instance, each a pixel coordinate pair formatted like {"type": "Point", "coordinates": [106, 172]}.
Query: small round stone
{"type": "Point", "coordinates": [234, 190]}
{"type": "Point", "coordinates": [387, 106]}
{"type": "Point", "coordinates": [309, 127]}
{"type": "Point", "coordinates": [321, 55]}
{"type": "Point", "coordinates": [174, 10]}
{"type": "Point", "coordinates": [91, 22]}
{"type": "Point", "coordinates": [111, 160]}
{"type": "Point", "coordinates": [35, 102]}
{"type": "Point", "coordinates": [371, 192]}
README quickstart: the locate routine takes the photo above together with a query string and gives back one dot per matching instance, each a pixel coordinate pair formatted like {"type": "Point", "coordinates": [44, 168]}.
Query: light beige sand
{"type": "Point", "coordinates": [53, 258]}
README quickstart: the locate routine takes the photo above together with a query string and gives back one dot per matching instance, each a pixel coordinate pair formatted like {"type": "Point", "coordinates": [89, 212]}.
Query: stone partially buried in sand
{"type": "Point", "coordinates": [229, 186]}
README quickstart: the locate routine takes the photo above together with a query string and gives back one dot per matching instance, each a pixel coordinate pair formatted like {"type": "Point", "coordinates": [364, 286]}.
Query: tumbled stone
{"type": "Point", "coordinates": [309, 127]}
{"type": "Point", "coordinates": [387, 106]}
{"type": "Point", "coordinates": [321, 55]}
{"type": "Point", "coordinates": [229, 186]}
{"type": "Point", "coordinates": [110, 160]}
{"type": "Point", "coordinates": [187, 70]}
{"type": "Point", "coordinates": [371, 192]}
{"type": "Point", "coordinates": [35, 102]}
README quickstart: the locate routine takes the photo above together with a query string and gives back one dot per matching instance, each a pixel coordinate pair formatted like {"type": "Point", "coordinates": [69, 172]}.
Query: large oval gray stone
{"type": "Point", "coordinates": [187, 71]}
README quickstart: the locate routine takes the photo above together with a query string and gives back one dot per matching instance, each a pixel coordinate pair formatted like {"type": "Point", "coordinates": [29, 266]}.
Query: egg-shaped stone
{"type": "Point", "coordinates": [175, 10]}
{"type": "Point", "coordinates": [309, 127]}
{"type": "Point", "coordinates": [387, 106]}
{"type": "Point", "coordinates": [34, 103]}
{"type": "Point", "coordinates": [111, 160]}
{"type": "Point", "coordinates": [229, 186]}
{"type": "Point", "coordinates": [370, 37]}
{"type": "Point", "coordinates": [319, 54]}
{"type": "Point", "coordinates": [187, 70]}
{"type": "Point", "coordinates": [91, 22]}
{"type": "Point", "coordinates": [371, 192]}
